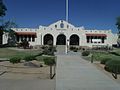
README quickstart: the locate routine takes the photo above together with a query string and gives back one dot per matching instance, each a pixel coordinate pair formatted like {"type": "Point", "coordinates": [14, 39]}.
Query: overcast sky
{"type": "Point", "coordinates": [92, 14]}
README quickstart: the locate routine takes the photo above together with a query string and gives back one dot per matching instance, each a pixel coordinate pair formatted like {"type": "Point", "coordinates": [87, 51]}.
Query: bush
{"type": "Point", "coordinates": [104, 60]}
{"type": "Point", "coordinates": [30, 58]}
{"type": "Point", "coordinates": [85, 53]}
{"type": "Point", "coordinates": [73, 49]}
{"type": "Point", "coordinates": [113, 66]}
{"type": "Point", "coordinates": [44, 47]}
{"type": "Point", "coordinates": [15, 60]}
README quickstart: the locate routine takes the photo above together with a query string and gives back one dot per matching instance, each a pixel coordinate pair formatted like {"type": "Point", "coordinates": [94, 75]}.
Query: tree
{"type": "Point", "coordinates": [118, 24]}
{"type": "Point", "coordinates": [50, 61]}
{"type": "Point", "coordinates": [118, 27]}
{"type": "Point", "coordinates": [1, 33]}
{"type": "Point", "coordinates": [3, 9]}
{"type": "Point", "coordinates": [7, 27]}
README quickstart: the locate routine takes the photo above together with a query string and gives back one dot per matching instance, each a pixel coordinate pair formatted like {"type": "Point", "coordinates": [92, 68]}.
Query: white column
{"type": "Point", "coordinates": [19, 38]}
{"type": "Point", "coordinates": [54, 41]}
{"type": "Point", "coordinates": [42, 39]}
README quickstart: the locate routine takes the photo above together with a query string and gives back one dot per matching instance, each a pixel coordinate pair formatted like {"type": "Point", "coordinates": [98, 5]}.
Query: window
{"type": "Point", "coordinates": [67, 26]}
{"type": "Point", "coordinates": [33, 38]}
{"type": "Point", "coordinates": [55, 26]}
{"type": "Point", "coordinates": [61, 25]}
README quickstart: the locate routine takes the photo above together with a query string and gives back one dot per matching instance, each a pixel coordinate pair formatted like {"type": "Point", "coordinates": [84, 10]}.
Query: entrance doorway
{"type": "Point", "coordinates": [74, 40]}
{"type": "Point", "coordinates": [48, 39]}
{"type": "Point", "coordinates": [61, 39]}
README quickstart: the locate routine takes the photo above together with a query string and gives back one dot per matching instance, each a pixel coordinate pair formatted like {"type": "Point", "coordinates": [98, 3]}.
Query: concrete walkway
{"type": "Point", "coordinates": [22, 84]}
{"type": "Point", "coordinates": [74, 73]}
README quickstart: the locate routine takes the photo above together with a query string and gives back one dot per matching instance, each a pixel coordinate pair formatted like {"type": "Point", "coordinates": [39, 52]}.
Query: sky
{"type": "Point", "coordinates": [92, 14]}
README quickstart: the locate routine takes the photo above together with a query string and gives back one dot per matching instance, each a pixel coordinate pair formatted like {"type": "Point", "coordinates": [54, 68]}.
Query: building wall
{"type": "Point", "coordinates": [5, 38]}
{"type": "Point", "coordinates": [63, 27]}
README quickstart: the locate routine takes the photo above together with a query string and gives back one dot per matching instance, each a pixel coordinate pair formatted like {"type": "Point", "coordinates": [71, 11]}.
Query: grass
{"type": "Point", "coordinates": [8, 53]}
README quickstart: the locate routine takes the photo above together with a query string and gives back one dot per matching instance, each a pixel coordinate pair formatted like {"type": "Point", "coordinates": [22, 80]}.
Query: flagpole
{"type": "Point", "coordinates": [67, 10]}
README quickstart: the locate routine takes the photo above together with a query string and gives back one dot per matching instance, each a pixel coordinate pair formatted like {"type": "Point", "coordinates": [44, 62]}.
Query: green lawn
{"type": "Point", "coordinates": [7, 52]}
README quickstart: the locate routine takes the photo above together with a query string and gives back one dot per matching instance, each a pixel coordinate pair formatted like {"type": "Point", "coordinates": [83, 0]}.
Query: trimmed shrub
{"type": "Point", "coordinates": [85, 53]}
{"type": "Point", "coordinates": [30, 58]}
{"type": "Point", "coordinates": [49, 61]}
{"type": "Point", "coordinates": [104, 60]}
{"type": "Point", "coordinates": [113, 66]}
{"type": "Point", "coordinates": [15, 60]}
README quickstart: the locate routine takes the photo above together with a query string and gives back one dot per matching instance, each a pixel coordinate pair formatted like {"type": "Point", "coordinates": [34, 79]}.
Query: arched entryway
{"type": "Point", "coordinates": [61, 39]}
{"type": "Point", "coordinates": [48, 39]}
{"type": "Point", "coordinates": [74, 39]}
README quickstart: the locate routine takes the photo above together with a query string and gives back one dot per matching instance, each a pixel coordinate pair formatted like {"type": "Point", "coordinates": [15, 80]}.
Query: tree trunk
{"type": "Point", "coordinates": [1, 37]}
{"type": "Point", "coordinates": [50, 71]}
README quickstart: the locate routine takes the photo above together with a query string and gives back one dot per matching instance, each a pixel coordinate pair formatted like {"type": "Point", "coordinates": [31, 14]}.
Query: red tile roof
{"type": "Point", "coordinates": [26, 33]}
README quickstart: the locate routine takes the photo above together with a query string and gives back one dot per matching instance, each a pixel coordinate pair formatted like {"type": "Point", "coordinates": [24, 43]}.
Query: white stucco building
{"type": "Point", "coordinates": [62, 33]}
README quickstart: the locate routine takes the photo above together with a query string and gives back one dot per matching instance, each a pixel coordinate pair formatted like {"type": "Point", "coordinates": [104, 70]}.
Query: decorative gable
{"type": "Point", "coordinates": [61, 25]}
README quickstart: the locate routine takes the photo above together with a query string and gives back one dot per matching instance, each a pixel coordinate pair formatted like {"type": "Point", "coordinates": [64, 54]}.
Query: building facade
{"type": "Point", "coordinates": [64, 33]}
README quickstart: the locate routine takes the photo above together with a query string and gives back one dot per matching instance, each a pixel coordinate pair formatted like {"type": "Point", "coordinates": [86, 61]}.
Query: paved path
{"type": "Point", "coordinates": [15, 84]}
{"type": "Point", "coordinates": [74, 73]}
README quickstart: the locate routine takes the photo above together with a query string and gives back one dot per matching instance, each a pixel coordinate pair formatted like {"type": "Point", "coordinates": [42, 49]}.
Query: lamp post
{"type": "Point", "coordinates": [67, 46]}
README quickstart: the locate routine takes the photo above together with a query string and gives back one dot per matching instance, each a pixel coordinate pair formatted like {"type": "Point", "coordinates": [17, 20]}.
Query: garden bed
{"type": "Point", "coordinates": [21, 71]}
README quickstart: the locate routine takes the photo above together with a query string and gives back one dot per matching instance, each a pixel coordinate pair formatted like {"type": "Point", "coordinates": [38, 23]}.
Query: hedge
{"type": "Point", "coordinates": [104, 60]}
{"type": "Point", "coordinates": [85, 53]}
{"type": "Point", "coordinates": [30, 58]}
{"type": "Point", "coordinates": [113, 66]}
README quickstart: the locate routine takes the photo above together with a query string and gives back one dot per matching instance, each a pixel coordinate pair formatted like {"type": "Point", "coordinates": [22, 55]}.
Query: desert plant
{"type": "Point", "coordinates": [85, 53]}
{"type": "Point", "coordinates": [15, 60]}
